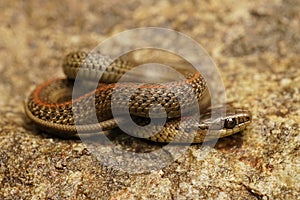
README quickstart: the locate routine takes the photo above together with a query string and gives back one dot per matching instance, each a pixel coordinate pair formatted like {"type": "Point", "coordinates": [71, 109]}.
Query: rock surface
{"type": "Point", "coordinates": [256, 46]}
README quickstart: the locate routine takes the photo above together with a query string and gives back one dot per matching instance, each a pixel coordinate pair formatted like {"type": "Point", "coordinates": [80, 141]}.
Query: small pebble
{"type": "Point", "coordinates": [285, 82]}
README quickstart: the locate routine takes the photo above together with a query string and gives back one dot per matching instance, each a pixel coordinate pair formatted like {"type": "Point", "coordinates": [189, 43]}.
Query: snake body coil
{"type": "Point", "coordinates": [50, 105]}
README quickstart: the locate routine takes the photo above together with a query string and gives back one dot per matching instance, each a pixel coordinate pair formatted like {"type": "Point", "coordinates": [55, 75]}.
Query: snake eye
{"type": "Point", "coordinates": [229, 123]}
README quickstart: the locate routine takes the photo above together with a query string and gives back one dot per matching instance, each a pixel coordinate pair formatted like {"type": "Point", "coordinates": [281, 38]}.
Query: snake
{"type": "Point", "coordinates": [52, 105]}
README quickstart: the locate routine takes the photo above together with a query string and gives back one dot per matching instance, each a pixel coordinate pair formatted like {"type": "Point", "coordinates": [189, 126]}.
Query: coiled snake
{"type": "Point", "coordinates": [51, 108]}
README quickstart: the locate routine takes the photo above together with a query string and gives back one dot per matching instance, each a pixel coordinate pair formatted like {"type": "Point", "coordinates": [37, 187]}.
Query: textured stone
{"type": "Point", "coordinates": [256, 46]}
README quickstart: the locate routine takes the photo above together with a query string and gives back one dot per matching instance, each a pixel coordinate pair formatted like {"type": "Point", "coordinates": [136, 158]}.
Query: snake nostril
{"type": "Point", "coordinates": [248, 118]}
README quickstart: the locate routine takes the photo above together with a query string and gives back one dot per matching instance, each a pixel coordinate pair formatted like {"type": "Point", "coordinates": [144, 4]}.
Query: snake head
{"type": "Point", "coordinates": [235, 120]}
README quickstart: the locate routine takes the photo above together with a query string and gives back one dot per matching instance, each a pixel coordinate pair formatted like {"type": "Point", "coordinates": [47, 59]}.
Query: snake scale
{"type": "Point", "coordinates": [51, 108]}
